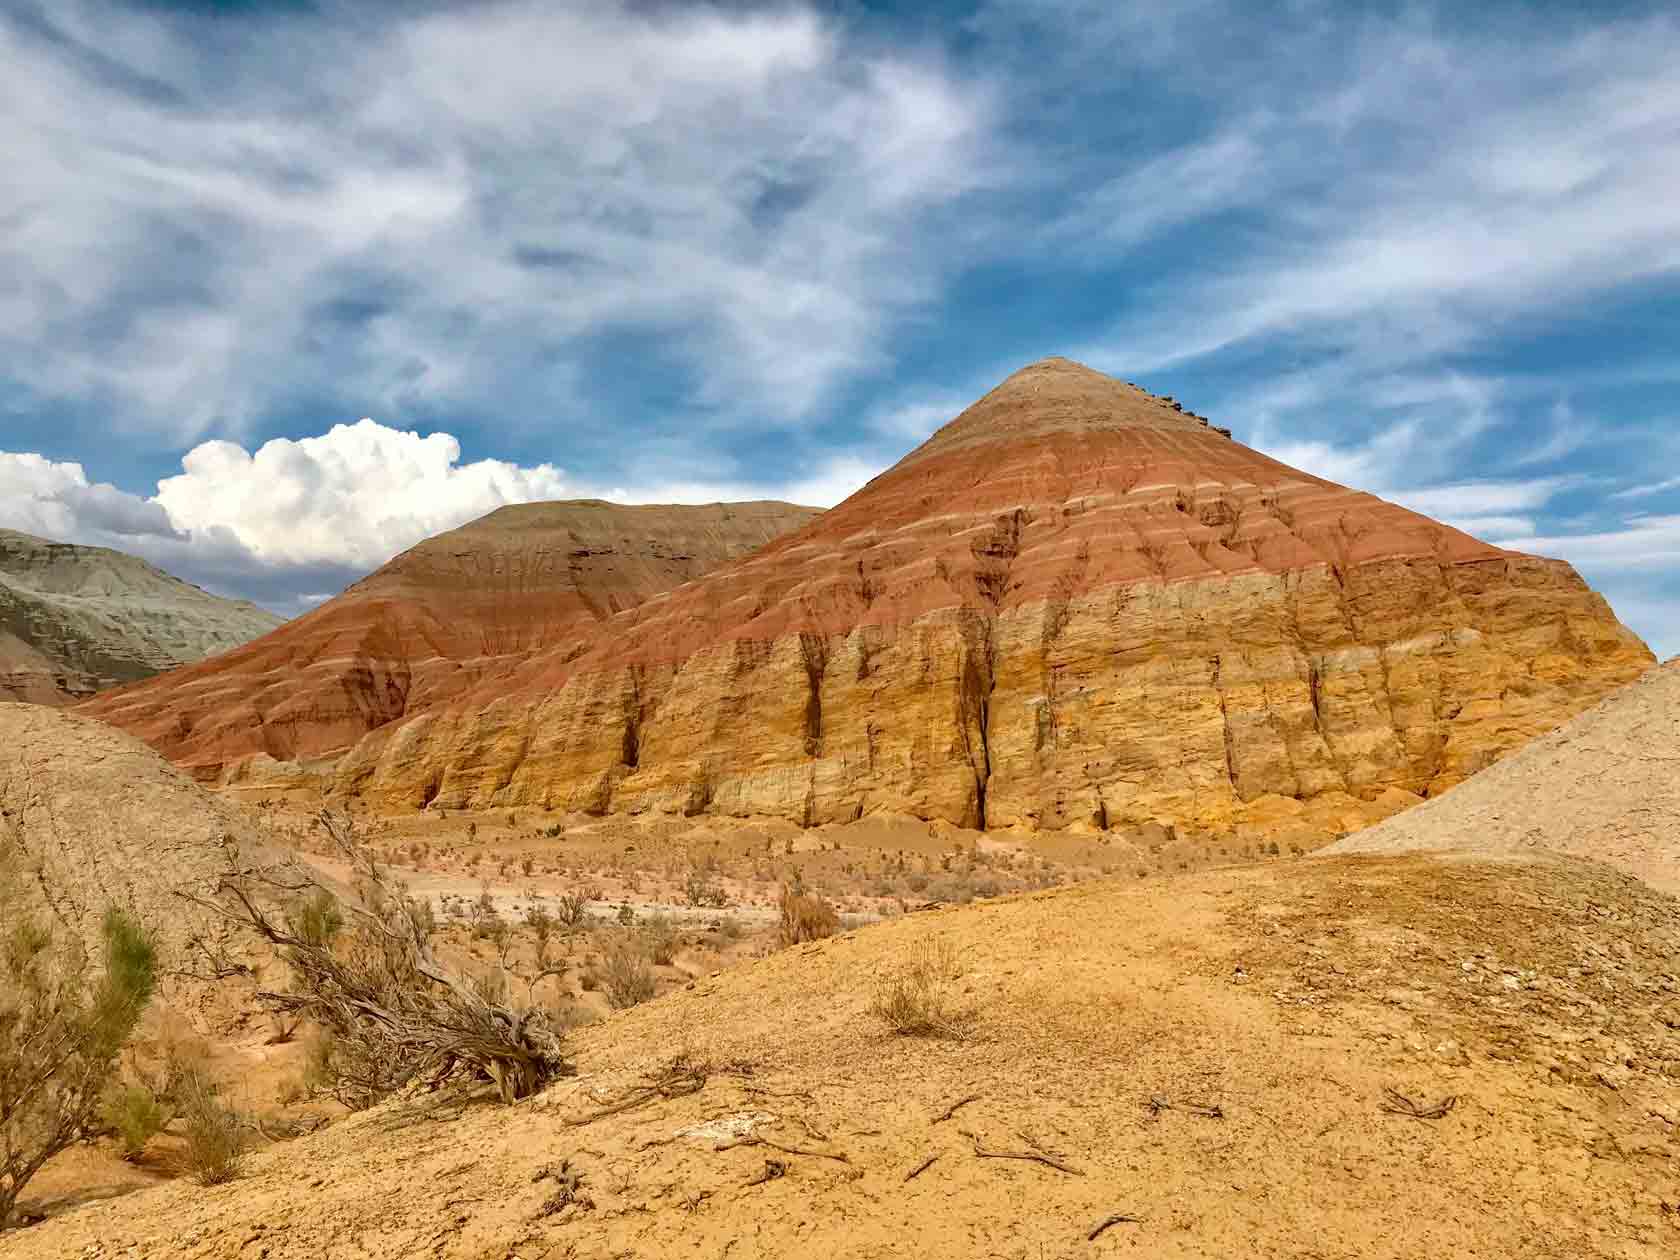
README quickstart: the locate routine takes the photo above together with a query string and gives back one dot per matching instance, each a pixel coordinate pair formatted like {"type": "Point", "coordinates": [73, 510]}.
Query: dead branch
{"type": "Point", "coordinates": [760, 1140]}
{"type": "Point", "coordinates": [955, 1107]}
{"type": "Point", "coordinates": [1037, 1157]}
{"type": "Point", "coordinates": [920, 1168]}
{"type": "Point", "coordinates": [676, 1082]}
{"type": "Point", "coordinates": [1119, 1218]}
{"type": "Point", "coordinates": [400, 1014]}
{"type": "Point", "coordinates": [1398, 1104]}
{"type": "Point", "coordinates": [1212, 1111]}
{"type": "Point", "coordinates": [773, 1168]}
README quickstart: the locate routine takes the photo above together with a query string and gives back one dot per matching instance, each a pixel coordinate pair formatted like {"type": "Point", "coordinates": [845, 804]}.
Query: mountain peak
{"type": "Point", "coordinates": [1058, 395]}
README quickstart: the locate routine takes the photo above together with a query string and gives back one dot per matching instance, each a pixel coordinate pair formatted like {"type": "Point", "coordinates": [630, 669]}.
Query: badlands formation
{"type": "Point", "coordinates": [99, 819]}
{"type": "Point", "coordinates": [77, 619]}
{"type": "Point", "coordinates": [1075, 607]}
{"type": "Point", "coordinates": [459, 610]}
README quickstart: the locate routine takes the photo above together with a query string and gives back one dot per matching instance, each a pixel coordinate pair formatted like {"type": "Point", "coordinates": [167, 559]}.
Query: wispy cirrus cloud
{"type": "Point", "coordinates": [206, 218]}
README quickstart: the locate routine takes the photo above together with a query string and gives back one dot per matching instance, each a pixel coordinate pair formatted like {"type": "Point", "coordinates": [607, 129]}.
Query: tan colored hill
{"type": "Point", "coordinates": [1218, 1059]}
{"type": "Point", "coordinates": [1605, 786]}
{"type": "Point", "coordinates": [74, 620]}
{"type": "Point", "coordinates": [1076, 606]}
{"type": "Point", "coordinates": [101, 819]}
{"type": "Point", "coordinates": [456, 611]}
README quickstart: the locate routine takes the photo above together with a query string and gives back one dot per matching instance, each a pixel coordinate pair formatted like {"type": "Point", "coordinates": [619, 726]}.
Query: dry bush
{"type": "Point", "coordinates": [214, 1132]}
{"type": "Point", "coordinates": [919, 998]}
{"type": "Point", "coordinates": [390, 1010]}
{"type": "Point", "coordinates": [704, 893]}
{"type": "Point", "coordinates": [662, 939]}
{"type": "Point", "coordinates": [805, 917]}
{"type": "Point", "coordinates": [61, 1026]}
{"type": "Point", "coordinates": [626, 975]}
{"type": "Point", "coordinates": [571, 910]}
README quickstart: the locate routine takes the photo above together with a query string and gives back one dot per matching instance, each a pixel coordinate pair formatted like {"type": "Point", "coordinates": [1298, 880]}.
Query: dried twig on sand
{"type": "Point", "coordinates": [773, 1168]}
{"type": "Point", "coordinates": [1398, 1104]}
{"type": "Point", "coordinates": [1158, 1103]}
{"type": "Point", "coordinates": [1119, 1218]}
{"type": "Point", "coordinates": [758, 1139]}
{"type": "Point", "coordinates": [678, 1080]}
{"type": "Point", "coordinates": [920, 1168]}
{"type": "Point", "coordinates": [955, 1107]}
{"type": "Point", "coordinates": [1037, 1157]}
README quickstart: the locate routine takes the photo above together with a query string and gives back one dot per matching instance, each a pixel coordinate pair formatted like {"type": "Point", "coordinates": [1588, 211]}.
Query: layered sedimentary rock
{"type": "Point", "coordinates": [1074, 606]}
{"type": "Point", "coordinates": [74, 620]}
{"type": "Point", "coordinates": [461, 609]}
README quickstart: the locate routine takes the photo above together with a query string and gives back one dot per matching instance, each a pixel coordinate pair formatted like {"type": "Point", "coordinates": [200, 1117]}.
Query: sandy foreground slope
{"type": "Point", "coordinates": [1605, 785]}
{"type": "Point", "coordinates": [1209, 1054]}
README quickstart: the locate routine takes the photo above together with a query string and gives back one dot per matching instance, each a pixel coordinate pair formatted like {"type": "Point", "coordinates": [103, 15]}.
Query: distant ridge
{"type": "Point", "coordinates": [457, 610]}
{"type": "Point", "coordinates": [75, 619]}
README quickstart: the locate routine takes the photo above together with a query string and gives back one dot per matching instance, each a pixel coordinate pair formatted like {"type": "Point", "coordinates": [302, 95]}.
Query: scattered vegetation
{"type": "Point", "coordinates": [135, 1115]}
{"type": "Point", "coordinates": [214, 1132]}
{"type": "Point", "coordinates": [920, 998]}
{"type": "Point", "coordinates": [805, 916]}
{"type": "Point", "coordinates": [662, 939]}
{"type": "Point", "coordinates": [390, 1011]}
{"type": "Point", "coordinates": [61, 1027]}
{"type": "Point", "coordinates": [626, 974]}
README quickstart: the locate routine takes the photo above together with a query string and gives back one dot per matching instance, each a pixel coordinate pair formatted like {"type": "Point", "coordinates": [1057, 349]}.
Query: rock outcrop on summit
{"type": "Point", "coordinates": [1075, 606]}
{"type": "Point", "coordinates": [461, 609]}
{"type": "Point", "coordinates": [75, 619]}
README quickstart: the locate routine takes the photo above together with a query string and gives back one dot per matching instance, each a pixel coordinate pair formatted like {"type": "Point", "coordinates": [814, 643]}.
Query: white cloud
{"type": "Point", "coordinates": [56, 500]}
{"type": "Point", "coordinates": [1646, 491]}
{"type": "Point", "coordinates": [1424, 195]}
{"type": "Point", "coordinates": [354, 496]}
{"type": "Point", "coordinates": [1650, 543]}
{"type": "Point", "coordinates": [482, 191]}
{"type": "Point", "coordinates": [291, 520]}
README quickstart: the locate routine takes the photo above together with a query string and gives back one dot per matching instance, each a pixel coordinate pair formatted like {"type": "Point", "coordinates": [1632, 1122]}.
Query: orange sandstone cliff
{"type": "Point", "coordinates": [1074, 606]}
{"type": "Point", "coordinates": [457, 610]}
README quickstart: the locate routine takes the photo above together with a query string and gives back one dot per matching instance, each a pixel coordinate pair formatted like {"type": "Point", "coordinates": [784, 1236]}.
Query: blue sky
{"type": "Point", "coordinates": [669, 252]}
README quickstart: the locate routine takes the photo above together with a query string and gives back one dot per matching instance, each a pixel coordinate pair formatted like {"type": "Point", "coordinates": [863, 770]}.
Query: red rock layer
{"type": "Point", "coordinates": [1075, 605]}
{"type": "Point", "coordinates": [459, 609]}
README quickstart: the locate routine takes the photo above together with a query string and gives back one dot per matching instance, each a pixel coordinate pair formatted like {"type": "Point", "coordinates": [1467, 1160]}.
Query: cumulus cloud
{"type": "Point", "coordinates": [291, 521]}
{"type": "Point", "coordinates": [276, 524]}
{"type": "Point", "coordinates": [56, 500]}
{"type": "Point", "coordinates": [353, 496]}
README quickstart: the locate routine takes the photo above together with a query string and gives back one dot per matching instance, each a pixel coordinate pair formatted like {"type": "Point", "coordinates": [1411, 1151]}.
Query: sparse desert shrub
{"type": "Point", "coordinates": [919, 998]}
{"type": "Point", "coordinates": [626, 914]}
{"type": "Point", "coordinates": [662, 939]}
{"type": "Point", "coordinates": [391, 1011]}
{"type": "Point", "coordinates": [703, 893]}
{"type": "Point", "coordinates": [61, 1025]}
{"type": "Point", "coordinates": [135, 1115]}
{"type": "Point", "coordinates": [626, 975]}
{"type": "Point", "coordinates": [214, 1132]}
{"type": "Point", "coordinates": [571, 910]}
{"type": "Point", "coordinates": [805, 917]}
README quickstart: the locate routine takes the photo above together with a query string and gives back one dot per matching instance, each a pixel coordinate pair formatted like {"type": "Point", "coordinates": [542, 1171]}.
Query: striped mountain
{"type": "Point", "coordinates": [1075, 606]}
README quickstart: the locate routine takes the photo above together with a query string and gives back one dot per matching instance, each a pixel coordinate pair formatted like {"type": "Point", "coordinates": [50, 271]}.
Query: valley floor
{"type": "Point", "coordinates": [1332, 1057]}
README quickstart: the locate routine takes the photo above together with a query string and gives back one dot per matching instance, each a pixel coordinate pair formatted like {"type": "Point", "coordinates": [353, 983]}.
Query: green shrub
{"type": "Point", "coordinates": [135, 1115]}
